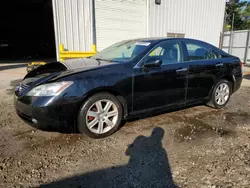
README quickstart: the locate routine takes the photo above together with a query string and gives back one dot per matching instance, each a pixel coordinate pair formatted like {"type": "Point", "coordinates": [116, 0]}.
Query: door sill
{"type": "Point", "coordinates": [164, 109]}
{"type": "Point", "coordinates": [154, 110]}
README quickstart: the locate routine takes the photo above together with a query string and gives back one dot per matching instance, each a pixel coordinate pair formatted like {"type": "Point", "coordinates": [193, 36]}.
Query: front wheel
{"type": "Point", "coordinates": [100, 116]}
{"type": "Point", "coordinates": [221, 94]}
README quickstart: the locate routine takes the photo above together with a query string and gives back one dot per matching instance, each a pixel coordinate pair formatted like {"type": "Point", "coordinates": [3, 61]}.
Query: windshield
{"type": "Point", "coordinates": [122, 52]}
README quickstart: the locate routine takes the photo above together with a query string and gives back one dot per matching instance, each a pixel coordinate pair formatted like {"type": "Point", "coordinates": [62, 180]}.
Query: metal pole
{"type": "Point", "coordinates": [247, 47]}
{"type": "Point", "coordinates": [93, 27]}
{"type": "Point", "coordinates": [56, 33]}
{"type": "Point", "coordinates": [233, 22]}
{"type": "Point", "coordinates": [223, 29]}
{"type": "Point", "coordinates": [148, 12]}
{"type": "Point", "coordinates": [231, 41]}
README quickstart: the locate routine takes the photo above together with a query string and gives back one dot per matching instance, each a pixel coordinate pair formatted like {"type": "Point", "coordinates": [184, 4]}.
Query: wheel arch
{"type": "Point", "coordinates": [112, 91]}
{"type": "Point", "coordinates": [231, 79]}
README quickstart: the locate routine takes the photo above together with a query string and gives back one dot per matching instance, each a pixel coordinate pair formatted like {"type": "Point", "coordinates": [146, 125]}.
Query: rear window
{"type": "Point", "coordinates": [200, 52]}
{"type": "Point", "coordinates": [222, 53]}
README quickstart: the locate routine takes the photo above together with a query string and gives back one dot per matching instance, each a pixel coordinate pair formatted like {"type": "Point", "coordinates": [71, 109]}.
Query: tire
{"type": "Point", "coordinates": [213, 102]}
{"type": "Point", "coordinates": [93, 110]}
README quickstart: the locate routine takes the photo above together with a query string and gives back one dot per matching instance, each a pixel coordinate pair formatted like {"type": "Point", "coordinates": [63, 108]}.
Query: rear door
{"type": "Point", "coordinates": [205, 67]}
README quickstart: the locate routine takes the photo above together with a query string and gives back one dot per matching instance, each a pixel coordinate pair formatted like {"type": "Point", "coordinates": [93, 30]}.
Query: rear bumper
{"type": "Point", "coordinates": [55, 116]}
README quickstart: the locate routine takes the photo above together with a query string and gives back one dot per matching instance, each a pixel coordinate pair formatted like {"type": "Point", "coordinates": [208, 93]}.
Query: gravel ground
{"type": "Point", "coordinates": [193, 147]}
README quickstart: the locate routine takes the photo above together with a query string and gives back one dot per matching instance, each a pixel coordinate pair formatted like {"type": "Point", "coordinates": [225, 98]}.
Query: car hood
{"type": "Point", "coordinates": [57, 70]}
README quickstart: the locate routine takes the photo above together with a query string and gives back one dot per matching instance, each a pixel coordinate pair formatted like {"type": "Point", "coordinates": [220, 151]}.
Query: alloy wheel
{"type": "Point", "coordinates": [222, 94]}
{"type": "Point", "coordinates": [102, 116]}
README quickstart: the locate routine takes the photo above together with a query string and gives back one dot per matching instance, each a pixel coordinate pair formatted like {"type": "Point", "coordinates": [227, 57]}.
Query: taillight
{"type": "Point", "coordinates": [241, 64]}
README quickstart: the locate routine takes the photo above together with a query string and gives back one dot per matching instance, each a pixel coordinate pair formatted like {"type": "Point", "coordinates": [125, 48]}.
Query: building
{"type": "Point", "coordinates": [78, 24]}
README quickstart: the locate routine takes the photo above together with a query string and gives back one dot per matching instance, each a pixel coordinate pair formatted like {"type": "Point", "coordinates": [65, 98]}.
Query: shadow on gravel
{"type": "Point", "coordinates": [12, 66]}
{"type": "Point", "coordinates": [247, 76]}
{"type": "Point", "coordinates": [13, 85]}
{"type": "Point", "coordinates": [148, 167]}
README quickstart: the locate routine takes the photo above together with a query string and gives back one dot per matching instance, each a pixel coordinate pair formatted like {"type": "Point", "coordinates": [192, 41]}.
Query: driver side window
{"type": "Point", "coordinates": [168, 52]}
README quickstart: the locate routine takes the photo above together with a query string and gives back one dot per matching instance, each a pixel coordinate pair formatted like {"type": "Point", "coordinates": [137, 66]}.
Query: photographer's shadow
{"type": "Point", "coordinates": [148, 167]}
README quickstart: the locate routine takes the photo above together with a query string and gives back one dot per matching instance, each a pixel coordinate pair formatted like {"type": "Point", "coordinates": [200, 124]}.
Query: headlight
{"type": "Point", "coordinates": [52, 89]}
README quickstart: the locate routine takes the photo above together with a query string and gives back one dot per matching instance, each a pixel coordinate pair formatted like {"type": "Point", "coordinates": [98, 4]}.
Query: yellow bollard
{"type": "Point", "coordinates": [61, 48]}
{"type": "Point", "coordinates": [94, 48]}
{"type": "Point", "coordinates": [74, 54]}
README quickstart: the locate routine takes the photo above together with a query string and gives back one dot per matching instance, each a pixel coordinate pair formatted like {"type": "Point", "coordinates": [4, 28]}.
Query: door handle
{"type": "Point", "coordinates": [182, 70]}
{"type": "Point", "coordinates": [219, 64]}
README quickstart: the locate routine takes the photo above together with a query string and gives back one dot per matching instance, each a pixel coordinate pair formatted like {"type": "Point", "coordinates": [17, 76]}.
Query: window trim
{"type": "Point", "coordinates": [141, 62]}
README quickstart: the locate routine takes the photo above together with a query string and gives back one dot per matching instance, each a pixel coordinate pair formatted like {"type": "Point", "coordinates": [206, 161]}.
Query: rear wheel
{"type": "Point", "coordinates": [221, 94]}
{"type": "Point", "coordinates": [100, 116]}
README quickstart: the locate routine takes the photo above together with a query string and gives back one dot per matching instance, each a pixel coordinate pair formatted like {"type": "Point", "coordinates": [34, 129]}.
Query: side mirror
{"type": "Point", "coordinates": [153, 62]}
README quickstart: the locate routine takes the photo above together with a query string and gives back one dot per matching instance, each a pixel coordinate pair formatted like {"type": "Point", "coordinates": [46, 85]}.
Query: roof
{"type": "Point", "coordinates": [158, 39]}
{"type": "Point", "coordinates": [155, 40]}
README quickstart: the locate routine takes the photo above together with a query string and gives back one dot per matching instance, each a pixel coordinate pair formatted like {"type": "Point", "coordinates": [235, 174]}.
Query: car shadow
{"type": "Point", "coordinates": [15, 66]}
{"type": "Point", "coordinates": [247, 76]}
{"type": "Point", "coordinates": [148, 166]}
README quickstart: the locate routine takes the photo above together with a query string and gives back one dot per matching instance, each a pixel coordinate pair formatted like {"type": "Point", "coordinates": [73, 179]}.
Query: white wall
{"type": "Point", "coordinates": [73, 24]}
{"type": "Point", "coordinates": [198, 19]}
{"type": "Point", "coordinates": [118, 20]}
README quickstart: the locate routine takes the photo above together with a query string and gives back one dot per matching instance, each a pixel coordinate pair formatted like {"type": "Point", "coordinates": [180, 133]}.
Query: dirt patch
{"type": "Point", "coordinates": [237, 117]}
{"type": "Point", "coordinates": [13, 85]}
{"type": "Point", "coordinates": [195, 128]}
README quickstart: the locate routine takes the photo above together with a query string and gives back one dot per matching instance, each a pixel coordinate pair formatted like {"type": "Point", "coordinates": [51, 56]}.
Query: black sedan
{"type": "Point", "coordinates": [127, 79]}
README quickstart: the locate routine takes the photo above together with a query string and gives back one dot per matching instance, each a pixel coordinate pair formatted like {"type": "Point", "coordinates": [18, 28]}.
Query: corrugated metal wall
{"type": "Point", "coordinates": [73, 24]}
{"type": "Point", "coordinates": [237, 43]}
{"type": "Point", "coordinates": [118, 20]}
{"type": "Point", "coordinates": [199, 19]}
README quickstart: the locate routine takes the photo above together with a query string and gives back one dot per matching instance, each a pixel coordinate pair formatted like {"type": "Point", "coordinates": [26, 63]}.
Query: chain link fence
{"type": "Point", "coordinates": [237, 43]}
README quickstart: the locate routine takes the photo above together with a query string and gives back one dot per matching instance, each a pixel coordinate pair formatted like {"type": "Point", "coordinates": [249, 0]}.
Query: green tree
{"type": "Point", "coordinates": [240, 12]}
{"type": "Point", "coordinates": [245, 13]}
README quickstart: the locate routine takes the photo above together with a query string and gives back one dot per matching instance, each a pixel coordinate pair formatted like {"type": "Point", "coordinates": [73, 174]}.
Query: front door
{"type": "Point", "coordinates": [161, 85]}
